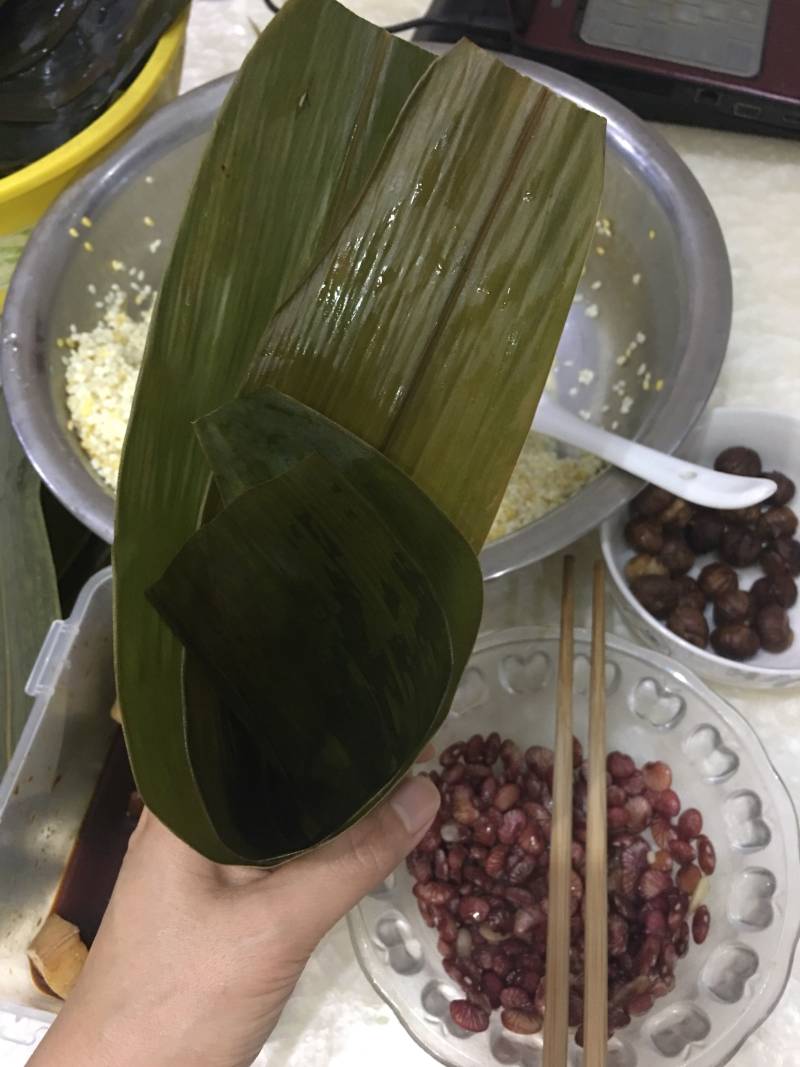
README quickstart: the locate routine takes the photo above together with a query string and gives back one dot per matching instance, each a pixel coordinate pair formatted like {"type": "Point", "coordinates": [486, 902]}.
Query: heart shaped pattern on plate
{"type": "Point", "coordinates": [655, 704]}
{"type": "Point", "coordinates": [705, 751]}
{"type": "Point", "coordinates": [403, 951]}
{"type": "Point", "coordinates": [525, 673]}
{"type": "Point", "coordinates": [750, 899]}
{"type": "Point", "coordinates": [677, 1027]}
{"type": "Point", "coordinates": [727, 972]}
{"type": "Point", "coordinates": [583, 674]}
{"type": "Point", "coordinates": [471, 693]}
{"type": "Point", "coordinates": [747, 831]}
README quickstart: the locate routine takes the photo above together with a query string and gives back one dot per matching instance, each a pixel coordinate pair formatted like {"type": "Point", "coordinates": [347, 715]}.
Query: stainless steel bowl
{"type": "Point", "coordinates": [664, 230]}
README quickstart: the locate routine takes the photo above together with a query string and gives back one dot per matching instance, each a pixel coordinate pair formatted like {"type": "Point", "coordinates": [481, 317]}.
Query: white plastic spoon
{"type": "Point", "coordinates": [699, 485]}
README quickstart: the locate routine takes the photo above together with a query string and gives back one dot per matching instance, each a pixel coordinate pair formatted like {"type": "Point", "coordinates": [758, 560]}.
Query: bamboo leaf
{"type": "Point", "coordinates": [261, 437]}
{"type": "Point", "coordinates": [404, 239]}
{"type": "Point", "coordinates": [299, 132]}
{"type": "Point", "coordinates": [28, 589]}
{"type": "Point", "coordinates": [451, 328]}
{"type": "Point", "coordinates": [342, 667]}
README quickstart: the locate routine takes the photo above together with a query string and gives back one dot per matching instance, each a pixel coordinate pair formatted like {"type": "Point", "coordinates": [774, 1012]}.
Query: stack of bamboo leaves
{"type": "Point", "coordinates": [359, 315]}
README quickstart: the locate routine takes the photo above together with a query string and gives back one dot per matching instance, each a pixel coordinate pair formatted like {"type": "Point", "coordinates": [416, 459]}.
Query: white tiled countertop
{"type": "Point", "coordinates": [335, 1018]}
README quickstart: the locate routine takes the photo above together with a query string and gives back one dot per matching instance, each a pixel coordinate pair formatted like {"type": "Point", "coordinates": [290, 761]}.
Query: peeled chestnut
{"type": "Point", "coordinates": [676, 556]}
{"type": "Point", "coordinates": [740, 546]}
{"type": "Point", "coordinates": [717, 578]}
{"type": "Point", "coordinates": [781, 557]}
{"type": "Point", "coordinates": [739, 460]}
{"type": "Point", "coordinates": [644, 535]}
{"type": "Point", "coordinates": [678, 515]}
{"type": "Point", "coordinates": [777, 522]}
{"type": "Point", "coordinates": [651, 501]}
{"type": "Point", "coordinates": [704, 531]}
{"type": "Point", "coordinates": [785, 491]}
{"type": "Point", "coordinates": [656, 594]}
{"type": "Point", "coordinates": [735, 642]}
{"type": "Point", "coordinates": [643, 564]}
{"type": "Point", "coordinates": [733, 606]}
{"type": "Point", "coordinates": [777, 589]}
{"type": "Point", "coordinates": [690, 624]}
{"type": "Point", "coordinates": [690, 593]}
{"type": "Point", "coordinates": [742, 516]}
{"type": "Point", "coordinates": [772, 624]}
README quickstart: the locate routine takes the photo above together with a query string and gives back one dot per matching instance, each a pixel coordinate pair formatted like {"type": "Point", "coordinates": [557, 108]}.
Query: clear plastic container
{"type": "Point", "coordinates": [47, 786]}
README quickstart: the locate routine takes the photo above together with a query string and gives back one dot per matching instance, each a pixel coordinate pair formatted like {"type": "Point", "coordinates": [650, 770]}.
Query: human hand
{"type": "Point", "coordinates": [194, 961]}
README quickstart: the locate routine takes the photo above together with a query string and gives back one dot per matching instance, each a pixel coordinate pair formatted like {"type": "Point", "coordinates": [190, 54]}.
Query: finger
{"type": "Point", "coordinates": [427, 753]}
{"type": "Point", "coordinates": [324, 885]}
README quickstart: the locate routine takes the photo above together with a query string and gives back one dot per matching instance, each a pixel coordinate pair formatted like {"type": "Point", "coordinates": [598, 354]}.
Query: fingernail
{"type": "Point", "coordinates": [416, 802]}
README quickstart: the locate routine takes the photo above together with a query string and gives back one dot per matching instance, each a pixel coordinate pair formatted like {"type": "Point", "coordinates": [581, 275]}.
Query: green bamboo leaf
{"type": "Point", "coordinates": [429, 327]}
{"type": "Point", "coordinates": [334, 669]}
{"type": "Point", "coordinates": [299, 132]}
{"type": "Point", "coordinates": [28, 588]}
{"type": "Point", "coordinates": [440, 252]}
{"type": "Point", "coordinates": [248, 442]}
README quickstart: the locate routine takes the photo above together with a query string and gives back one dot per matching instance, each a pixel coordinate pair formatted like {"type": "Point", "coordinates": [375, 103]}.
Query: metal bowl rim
{"type": "Point", "coordinates": [708, 283]}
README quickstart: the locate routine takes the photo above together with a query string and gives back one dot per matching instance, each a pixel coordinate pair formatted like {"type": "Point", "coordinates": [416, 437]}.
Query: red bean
{"type": "Point", "coordinates": [689, 877]}
{"type": "Point", "coordinates": [668, 803]}
{"type": "Point", "coordinates": [464, 809]}
{"type": "Point", "coordinates": [657, 776]}
{"type": "Point", "coordinates": [616, 818]}
{"type": "Point", "coordinates": [511, 826]}
{"type": "Point", "coordinates": [495, 862]}
{"type": "Point", "coordinates": [517, 999]}
{"type": "Point", "coordinates": [518, 1022]}
{"type": "Point", "coordinates": [700, 924]}
{"type": "Point", "coordinates": [531, 839]}
{"type": "Point", "coordinates": [453, 774]}
{"type": "Point", "coordinates": [681, 851]}
{"type": "Point", "coordinates": [615, 796]}
{"type": "Point", "coordinates": [469, 1016]}
{"type": "Point", "coordinates": [452, 754]}
{"type": "Point", "coordinates": [662, 832]}
{"type": "Point", "coordinates": [492, 749]}
{"type": "Point", "coordinates": [488, 792]}
{"type": "Point", "coordinates": [662, 860]}
{"type": "Point", "coordinates": [617, 935]}
{"type": "Point", "coordinates": [484, 831]}
{"type": "Point", "coordinates": [507, 796]}
{"type": "Point", "coordinates": [634, 785]}
{"type": "Point", "coordinates": [419, 867]}
{"type": "Point", "coordinates": [522, 870]}
{"type": "Point", "coordinates": [434, 893]}
{"type": "Point", "coordinates": [492, 987]}
{"type": "Point", "coordinates": [653, 882]}
{"type": "Point", "coordinates": [706, 856]}
{"type": "Point", "coordinates": [540, 759]}
{"type": "Point", "coordinates": [638, 813]}
{"type": "Point", "coordinates": [690, 824]}
{"type": "Point", "coordinates": [640, 1005]}
{"type": "Point", "coordinates": [619, 765]}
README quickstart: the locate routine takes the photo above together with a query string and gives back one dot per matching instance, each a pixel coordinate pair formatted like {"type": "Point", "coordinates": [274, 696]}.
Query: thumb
{"type": "Point", "coordinates": [328, 882]}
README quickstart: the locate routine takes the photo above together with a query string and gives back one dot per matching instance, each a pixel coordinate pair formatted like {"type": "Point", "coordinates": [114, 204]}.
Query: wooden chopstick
{"type": "Point", "coordinates": [595, 975]}
{"type": "Point", "coordinates": [556, 1016]}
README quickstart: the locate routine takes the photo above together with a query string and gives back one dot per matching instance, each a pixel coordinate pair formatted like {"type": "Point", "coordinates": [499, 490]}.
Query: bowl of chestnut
{"type": "Point", "coordinates": [717, 590]}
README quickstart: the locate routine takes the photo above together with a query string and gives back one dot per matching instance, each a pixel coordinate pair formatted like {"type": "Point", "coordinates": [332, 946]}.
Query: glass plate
{"type": "Point", "coordinates": [726, 987]}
